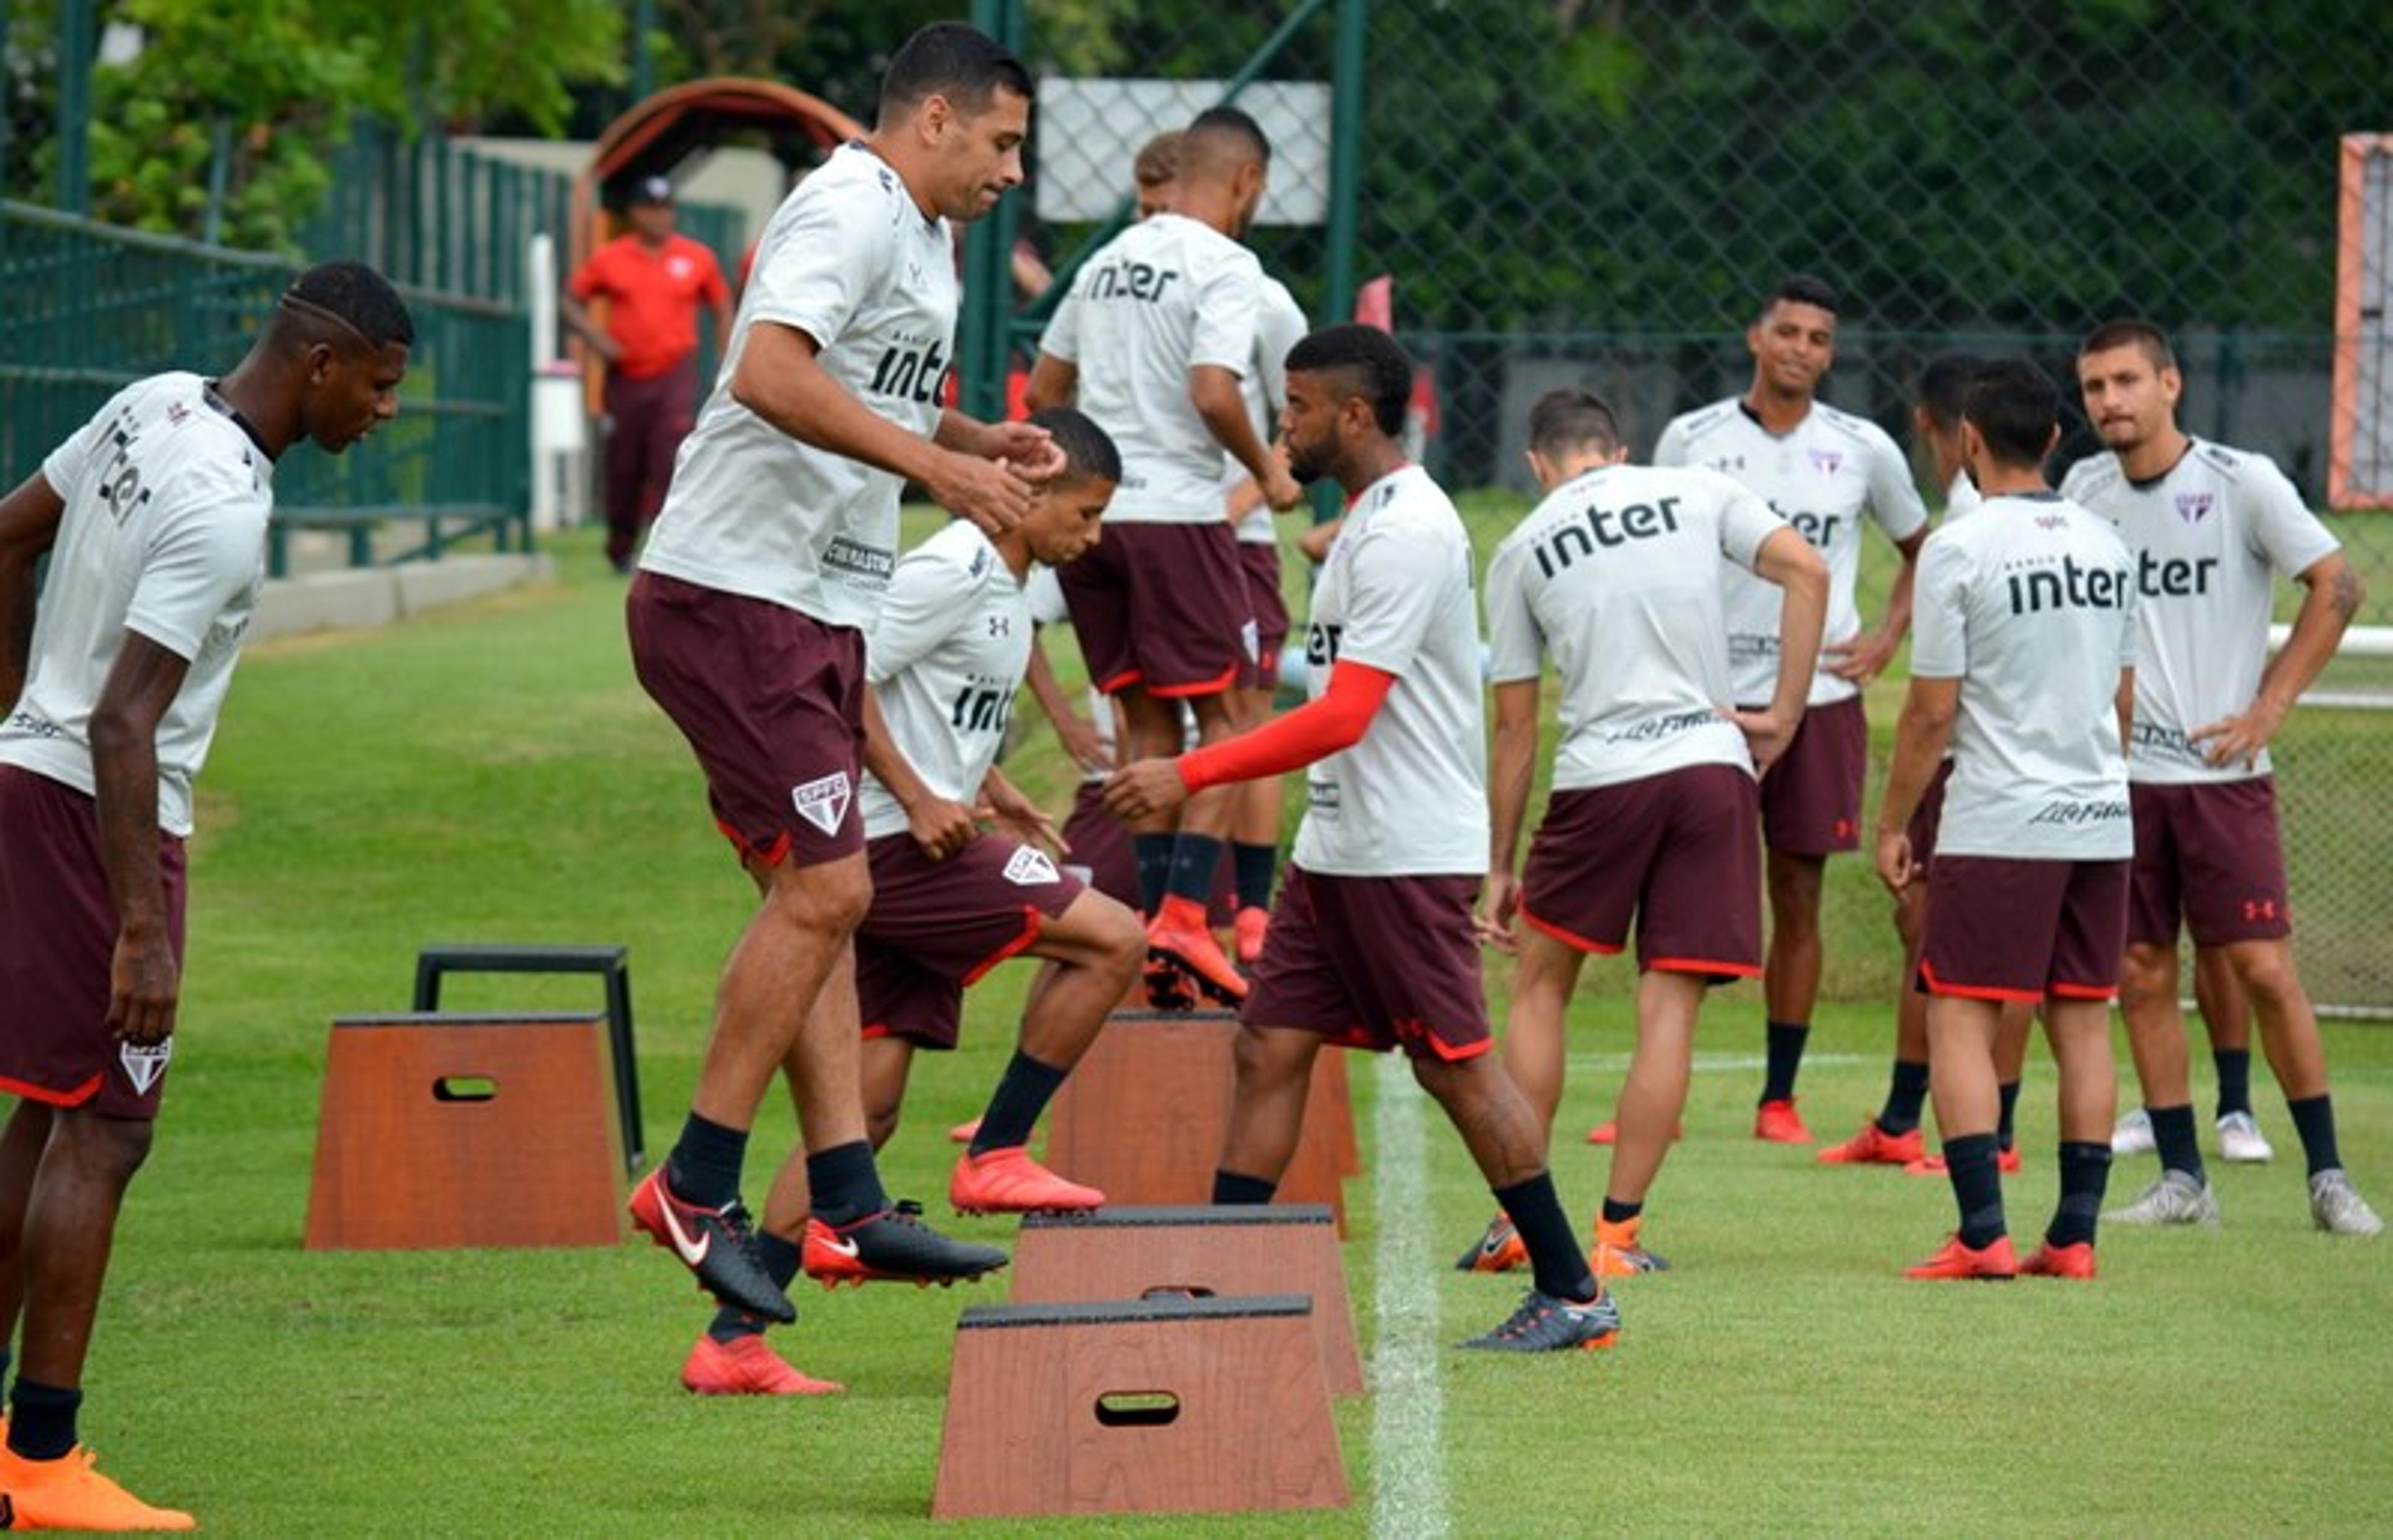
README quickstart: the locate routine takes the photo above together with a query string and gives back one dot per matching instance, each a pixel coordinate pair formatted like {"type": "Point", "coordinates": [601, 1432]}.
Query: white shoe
{"type": "Point", "coordinates": [2241, 1141]}
{"type": "Point", "coordinates": [2337, 1209]}
{"type": "Point", "coordinates": [2176, 1198]}
{"type": "Point", "coordinates": [2134, 1134]}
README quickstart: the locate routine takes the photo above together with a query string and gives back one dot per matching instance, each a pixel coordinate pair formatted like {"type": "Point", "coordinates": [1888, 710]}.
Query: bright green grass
{"type": "Point", "coordinates": [493, 774]}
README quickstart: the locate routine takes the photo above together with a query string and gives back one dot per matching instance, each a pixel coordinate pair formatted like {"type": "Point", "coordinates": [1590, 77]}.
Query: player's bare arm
{"type": "Point", "coordinates": [1213, 391]}
{"type": "Point", "coordinates": [1864, 656]}
{"type": "Point", "coordinates": [143, 979]}
{"type": "Point", "coordinates": [1028, 449]}
{"type": "Point", "coordinates": [780, 378]}
{"type": "Point", "coordinates": [1787, 559]}
{"type": "Point", "coordinates": [1053, 383]}
{"type": "Point", "coordinates": [1075, 732]}
{"type": "Point", "coordinates": [939, 825]}
{"type": "Point", "coordinates": [1920, 739]}
{"type": "Point", "coordinates": [1511, 765]}
{"type": "Point", "coordinates": [28, 526]}
{"type": "Point", "coordinates": [2124, 706]}
{"type": "Point", "coordinates": [2332, 595]}
{"type": "Point", "coordinates": [577, 321]}
{"type": "Point", "coordinates": [1017, 816]}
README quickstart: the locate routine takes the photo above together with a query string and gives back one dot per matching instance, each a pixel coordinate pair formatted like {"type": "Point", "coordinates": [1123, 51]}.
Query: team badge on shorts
{"type": "Point", "coordinates": [1030, 868]}
{"type": "Point", "coordinates": [1251, 637]}
{"type": "Point", "coordinates": [824, 803]}
{"type": "Point", "coordinates": [143, 1065]}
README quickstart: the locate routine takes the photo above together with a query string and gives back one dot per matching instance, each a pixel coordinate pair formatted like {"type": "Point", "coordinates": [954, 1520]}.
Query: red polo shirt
{"type": "Point", "coordinates": [653, 295]}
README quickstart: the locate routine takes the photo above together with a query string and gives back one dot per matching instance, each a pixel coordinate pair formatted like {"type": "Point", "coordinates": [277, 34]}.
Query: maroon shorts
{"type": "Point", "coordinates": [1374, 962]}
{"type": "Point", "coordinates": [2006, 930]}
{"type": "Point", "coordinates": [1676, 851]}
{"type": "Point", "coordinates": [1261, 564]}
{"type": "Point", "coordinates": [1101, 847]}
{"type": "Point", "coordinates": [1812, 797]}
{"type": "Point", "coordinates": [772, 702]}
{"type": "Point", "coordinates": [58, 945]}
{"type": "Point", "coordinates": [2211, 856]}
{"type": "Point", "coordinates": [936, 926]}
{"type": "Point", "coordinates": [1162, 606]}
{"type": "Point", "coordinates": [1927, 816]}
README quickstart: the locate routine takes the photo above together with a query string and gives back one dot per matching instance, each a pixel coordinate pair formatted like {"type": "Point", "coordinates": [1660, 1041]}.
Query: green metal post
{"type": "Point", "coordinates": [644, 65]}
{"type": "Point", "coordinates": [1346, 154]}
{"type": "Point", "coordinates": [4, 117]}
{"type": "Point", "coordinates": [77, 28]}
{"type": "Point", "coordinates": [989, 258]}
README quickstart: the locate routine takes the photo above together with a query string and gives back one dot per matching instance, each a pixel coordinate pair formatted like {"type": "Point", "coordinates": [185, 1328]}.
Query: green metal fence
{"type": "Point", "coordinates": [86, 309]}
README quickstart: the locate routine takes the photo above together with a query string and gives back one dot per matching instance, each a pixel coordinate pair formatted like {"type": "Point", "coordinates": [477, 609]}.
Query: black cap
{"type": "Point", "coordinates": [652, 189]}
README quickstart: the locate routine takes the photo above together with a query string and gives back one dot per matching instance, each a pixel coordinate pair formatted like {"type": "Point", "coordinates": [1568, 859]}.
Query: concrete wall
{"type": "Point", "coordinates": [356, 598]}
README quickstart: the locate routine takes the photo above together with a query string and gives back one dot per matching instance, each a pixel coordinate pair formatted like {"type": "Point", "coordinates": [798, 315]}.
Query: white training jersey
{"type": "Point", "coordinates": [1162, 298]}
{"type": "Point", "coordinates": [1410, 800]}
{"type": "Point", "coordinates": [1821, 476]}
{"type": "Point", "coordinates": [168, 497]}
{"type": "Point", "coordinates": [851, 261]}
{"type": "Point", "coordinates": [1617, 575]}
{"type": "Point", "coordinates": [945, 658]}
{"type": "Point", "coordinates": [2031, 604]}
{"type": "Point", "coordinates": [1048, 608]}
{"type": "Point", "coordinates": [1279, 326]}
{"type": "Point", "coordinates": [2208, 538]}
{"type": "Point", "coordinates": [1962, 498]}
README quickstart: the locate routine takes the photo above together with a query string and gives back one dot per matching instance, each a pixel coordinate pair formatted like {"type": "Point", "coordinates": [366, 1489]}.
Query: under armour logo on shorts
{"type": "Point", "coordinates": [1030, 868]}
{"type": "Point", "coordinates": [824, 803]}
{"type": "Point", "coordinates": [143, 1065]}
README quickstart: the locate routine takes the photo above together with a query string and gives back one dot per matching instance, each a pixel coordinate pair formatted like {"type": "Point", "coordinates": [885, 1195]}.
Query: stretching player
{"type": "Point", "coordinates": [1820, 468]}
{"type": "Point", "coordinates": [2210, 528]}
{"type": "Point", "coordinates": [1655, 814]}
{"type": "Point", "coordinates": [943, 663]}
{"type": "Point", "coordinates": [2024, 664]}
{"type": "Point", "coordinates": [1371, 939]}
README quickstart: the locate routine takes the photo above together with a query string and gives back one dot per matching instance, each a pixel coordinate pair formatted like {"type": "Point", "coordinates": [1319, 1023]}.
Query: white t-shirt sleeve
{"type": "Point", "coordinates": [1516, 643]}
{"type": "Point", "coordinates": [1746, 523]}
{"type": "Point", "coordinates": [928, 596]}
{"type": "Point", "coordinates": [1227, 302]}
{"type": "Point", "coordinates": [201, 557]}
{"type": "Point", "coordinates": [1894, 497]}
{"type": "Point", "coordinates": [1281, 327]}
{"type": "Point", "coordinates": [1671, 448]}
{"type": "Point", "coordinates": [1394, 582]}
{"type": "Point", "coordinates": [1046, 596]}
{"type": "Point", "coordinates": [820, 271]}
{"type": "Point", "coordinates": [1939, 639]}
{"type": "Point", "coordinates": [2283, 528]}
{"type": "Point", "coordinates": [67, 464]}
{"type": "Point", "coordinates": [1062, 338]}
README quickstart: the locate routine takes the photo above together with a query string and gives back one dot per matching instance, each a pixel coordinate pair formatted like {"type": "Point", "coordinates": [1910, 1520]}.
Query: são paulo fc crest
{"type": "Point", "coordinates": [143, 1065]}
{"type": "Point", "coordinates": [1827, 462]}
{"type": "Point", "coordinates": [2194, 507]}
{"type": "Point", "coordinates": [1030, 868]}
{"type": "Point", "coordinates": [824, 803]}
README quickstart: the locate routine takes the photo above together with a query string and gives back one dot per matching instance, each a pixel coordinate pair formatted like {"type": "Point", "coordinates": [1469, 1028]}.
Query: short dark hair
{"type": "Point", "coordinates": [1572, 421]}
{"type": "Point", "coordinates": [2015, 407]}
{"type": "Point", "coordinates": [1943, 382]}
{"type": "Point", "coordinates": [2130, 331]}
{"type": "Point", "coordinates": [950, 59]}
{"type": "Point", "coordinates": [1370, 364]}
{"type": "Point", "coordinates": [1221, 139]}
{"type": "Point", "coordinates": [1089, 451]}
{"type": "Point", "coordinates": [1801, 289]}
{"type": "Point", "coordinates": [1158, 159]}
{"type": "Point", "coordinates": [351, 295]}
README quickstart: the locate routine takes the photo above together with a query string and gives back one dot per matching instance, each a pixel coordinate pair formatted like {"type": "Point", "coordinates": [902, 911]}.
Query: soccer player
{"type": "Point", "coordinates": [944, 662]}
{"type": "Point", "coordinates": [1655, 814]}
{"type": "Point", "coordinates": [1893, 1137]}
{"type": "Point", "coordinates": [776, 540]}
{"type": "Point", "coordinates": [654, 279]}
{"type": "Point", "coordinates": [2227, 1020]}
{"type": "Point", "coordinates": [1154, 172]}
{"type": "Point", "coordinates": [153, 517]}
{"type": "Point", "coordinates": [2025, 664]}
{"type": "Point", "coordinates": [1152, 342]}
{"type": "Point", "coordinates": [1371, 942]}
{"type": "Point", "coordinates": [1821, 469]}
{"type": "Point", "coordinates": [2209, 527]}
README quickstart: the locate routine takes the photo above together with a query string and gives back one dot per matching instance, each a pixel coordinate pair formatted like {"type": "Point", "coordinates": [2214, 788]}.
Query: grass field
{"type": "Point", "coordinates": [493, 774]}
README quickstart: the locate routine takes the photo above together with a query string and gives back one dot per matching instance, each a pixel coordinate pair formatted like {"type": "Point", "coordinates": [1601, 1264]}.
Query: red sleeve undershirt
{"type": "Point", "coordinates": [1313, 731]}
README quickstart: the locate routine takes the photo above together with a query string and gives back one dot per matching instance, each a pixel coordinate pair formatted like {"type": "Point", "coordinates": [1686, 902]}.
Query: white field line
{"type": "Point", "coordinates": [1408, 1404]}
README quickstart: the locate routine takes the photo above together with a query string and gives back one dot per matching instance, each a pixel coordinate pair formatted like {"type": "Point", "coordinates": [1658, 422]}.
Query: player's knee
{"type": "Point", "coordinates": [2147, 973]}
{"type": "Point", "coordinates": [107, 1149]}
{"type": "Point", "coordinates": [830, 899]}
{"type": "Point", "coordinates": [1263, 1062]}
{"type": "Point", "coordinates": [1119, 939]}
{"type": "Point", "coordinates": [2269, 977]}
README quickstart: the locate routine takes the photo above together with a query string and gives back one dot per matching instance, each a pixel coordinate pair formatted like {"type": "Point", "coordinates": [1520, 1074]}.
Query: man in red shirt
{"type": "Point", "coordinates": [653, 281]}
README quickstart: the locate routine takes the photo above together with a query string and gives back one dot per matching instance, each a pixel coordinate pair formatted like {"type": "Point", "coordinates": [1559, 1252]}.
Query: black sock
{"type": "Point", "coordinates": [2173, 1132]}
{"type": "Point", "coordinates": [2314, 1120]}
{"type": "Point", "coordinates": [780, 1259]}
{"type": "Point", "coordinates": [1022, 1094]}
{"type": "Point", "coordinates": [2002, 1135]}
{"type": "Point", "coordinates": [1153, 854]}
{"type": "Point", "coordinates": [704, 1166]}
{"type": "Point", "coordinates": [1976, 1188]}
{"type": "Point", "coordinates": [1618, 1212]}
{"type": "Point", "coordinates": [2084, 1173]}
{"type": "Point", "coordinates": [1255, 865]}
{"type": "Point", "coordinates": [1196, 858]}
{"type": "Point", "coordinates": [1787, 1040]}
{"type": "Point", "coordinates": [1242, 1191]}
{"type": "Point", "coordinates": [1904, 1095]}
{"type": "Point", "coordinates": [844, 1184]}
{"type": "Point", "coordinates": [1538, 1214]}
{"type": "Point", "coordinates": [42, 1419]}
{"type": "Point", "coordinates": [2234, 1079]}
